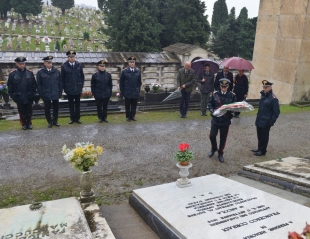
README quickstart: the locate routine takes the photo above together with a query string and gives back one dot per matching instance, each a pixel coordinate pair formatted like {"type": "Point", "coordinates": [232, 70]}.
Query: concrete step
{"type": "Point", "coordinates": [290, 173]}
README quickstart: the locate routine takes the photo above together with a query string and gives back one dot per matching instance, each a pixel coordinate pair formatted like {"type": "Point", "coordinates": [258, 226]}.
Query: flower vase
{"type": "Point", "coordinates": [183, 181]}
{"type": "Point", "coordinates": [86, 182]}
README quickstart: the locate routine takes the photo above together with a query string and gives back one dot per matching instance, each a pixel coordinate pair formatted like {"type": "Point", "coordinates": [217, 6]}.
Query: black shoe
{"type": "Point", "coordinates": [254, 150]}
{"type": "Point", "coordinates": [211, 153]}
{"type": "Point", "coordinates": [133, 119]}
{"type": "Point", "coordinates": [100, 121]}
{"type": "Point", "coordinates": [221, 158]}
{"type": "Point", "coordinates": [105, 120]}
{"type": "Point", "coordinates": [29, 126]}
{"type": "Point", "coordinates": [24, 127]}
{"type": "Point", "coordinates": [56, 123]}
{"type": "Point", "coordinates": [78, 121]}
{"type": "Point", "coordinates": [203, 114]}
{"type": "Point", "coordinates": [236, 116]}
{"type": "Point", "coordinates": [71, 121]}
{"type": "Point", "coordinates": [49, 124]}
{"type": "Point", "coordinates": [259, 153]}
{"type": "Point", "coordinates": [127, 119]}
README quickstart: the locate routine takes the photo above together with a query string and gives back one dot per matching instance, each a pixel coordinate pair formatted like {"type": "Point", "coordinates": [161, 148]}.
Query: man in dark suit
{"type": "Point", "coordinates": [72, 76]}
{"type": "Point", "coordinates": [22, 87]}
{"type": "Point", "coordinates": [185, 80]}
{"type": "Point", "coordinates": [225, 73]}
{"type": "Point", "coordinates": [130, 84]}
{"type": "Point", "coordinates": [267, 114]}
{"type": "Point", "coordinates": [50, 89]}
{"type": "Point", "coordinates": [241, 88]}
{"type": "Point", "coordinates": [101, 88]}
{"type": "Point", "coordinates": [206, 79]}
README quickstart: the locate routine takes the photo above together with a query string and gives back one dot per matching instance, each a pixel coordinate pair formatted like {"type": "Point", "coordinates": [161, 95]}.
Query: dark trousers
{"type": "Point", "coordinates": [74, 106]}
{"type": "Point", "coordinates": [25, 113]}
{"type": "Point", "coordinates": [102, 107]}
{"type": "Point", "coordinates": [184, 102]}
{"type": "Point", "coordinates": [263, 138]}
{"type": "Point", "coordinates": [223, 137]}
{"type": "Point", "coordinates": [240, 97]}
{"type": "Point", "coordinates": [48, 104]}
{"type": "Point", "coordinates": [131, 107]}
{"type": "Point", "coordinates": [204, 98]}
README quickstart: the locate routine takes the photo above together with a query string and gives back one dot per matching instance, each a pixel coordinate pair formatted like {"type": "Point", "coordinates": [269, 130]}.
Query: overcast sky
{"type": "Point", "coordinates": [251, 5]}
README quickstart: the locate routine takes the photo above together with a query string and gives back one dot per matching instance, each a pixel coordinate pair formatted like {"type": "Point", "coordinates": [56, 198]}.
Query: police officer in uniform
{"type": "Point", "coordinates": [130, 84]}
{"type": "Point", "coordinates": [50, 89]}
{"type": "Point", "coordinates": [267, 114]}
{"type": "Point", "coordinates": [101, 88]}
{"type": "Point", "coordinates": [219, 98]}
{"type": "Point", "coordinates": [72, 76]}
{"type": "Point", "coordinates": [22, 88]}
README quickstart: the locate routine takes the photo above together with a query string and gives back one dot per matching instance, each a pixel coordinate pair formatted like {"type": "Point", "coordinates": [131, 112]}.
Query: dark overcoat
{"type": "Point", "coordinates": [73, 78]}
{"type": "Point", "coordinates": [49, 84]}
{"type": "Point", "coordinates": [130, 83]}
{"type": "Point", "coordinates": [220, 75]}
{"type": "Point", "coordinates": [188, 79]}
{"type": "Point", "coordinates": [22, 86]}
{"type": "Point", "coordinates": [207, 86]}
{"type": "Point", "coordinates": [101, 85]}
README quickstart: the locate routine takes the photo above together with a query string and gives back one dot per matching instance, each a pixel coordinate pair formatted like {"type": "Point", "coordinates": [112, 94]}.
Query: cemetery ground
{"type": "Point", "coordinates": [136, 154]}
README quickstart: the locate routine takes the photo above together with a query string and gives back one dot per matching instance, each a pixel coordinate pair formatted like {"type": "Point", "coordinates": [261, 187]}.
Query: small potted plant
{"type": "Point", "coordinates": [184, 155]}
{"type": "Point", "coordinates": [4, 91]}
{"type": "Point", "coordinates": [87, 95]}
{"type": "Point", "coordinates": [155, 87]}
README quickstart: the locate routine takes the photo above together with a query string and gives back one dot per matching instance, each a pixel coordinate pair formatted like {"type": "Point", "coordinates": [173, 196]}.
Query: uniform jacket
{"type": "Point", "coordinates": [217, 100]}
{"type": "Point", "coordinates": [130, 83]}
{"type": "Point", "coordinates": [241, 85]}
{"type": "Point", "coordinates": [101, 85]}
{"type": "Point", "coordinates": [207, 86]}
{"type": "Point", "coordinates": [22, 86]}
{"type": "Point", "coordinates": [188, 80]}
{"type": "Point", "coordinates": [72, 78]}
{"type": "Point", "coordinates": [268, 110]}
{"type": "Point", "coordinates": [49, 84]}
{"type": "Point", "coordinates": [220, 75]}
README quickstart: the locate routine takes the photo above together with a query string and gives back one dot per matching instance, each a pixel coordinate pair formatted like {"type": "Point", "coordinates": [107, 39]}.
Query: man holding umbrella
{"type": "Point", "coordinates": [185, 80]}
{"type": "Point", "coordinates": [219, 98]}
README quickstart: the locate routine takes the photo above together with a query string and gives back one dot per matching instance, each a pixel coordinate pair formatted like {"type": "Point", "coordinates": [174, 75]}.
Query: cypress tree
{"type": "Point", "coordinates": [219, 16]}
{"type": "Point", "coordinates": [63, 4]}
{"type": "Point", "coordinates": [24, 7]}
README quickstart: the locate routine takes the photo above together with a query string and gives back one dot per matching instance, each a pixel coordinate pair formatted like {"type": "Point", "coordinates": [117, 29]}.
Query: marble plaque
{"type": "Point", "coordinates": [217, 207]}
{"type": "Point", "coordinates": [169, 74]}
{"type": "Point", "coordinates": [59, 219]}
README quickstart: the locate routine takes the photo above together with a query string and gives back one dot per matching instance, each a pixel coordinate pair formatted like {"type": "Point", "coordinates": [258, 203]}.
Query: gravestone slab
{"type": "Point", "coordinates": [217, 207]}
{"type": "Point", "coordinates": [59, 219]}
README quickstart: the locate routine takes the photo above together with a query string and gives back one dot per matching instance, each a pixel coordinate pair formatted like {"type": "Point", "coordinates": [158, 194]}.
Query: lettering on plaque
{"type": "Point", "coordinates": [40, 232]}
{"type": "Point", "coordinates": [227, 208]}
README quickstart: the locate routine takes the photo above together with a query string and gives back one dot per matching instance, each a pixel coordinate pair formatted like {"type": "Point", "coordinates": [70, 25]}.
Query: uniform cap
{"type": "Point", "coordinates": [131, 58]}
{"type": "Point", "coordinates": [102, 62]}
{"type": "Point", "coordinates": [48, 58]}
{"type": "Point", "coordinates": [20, 59]}
{"type": "Point", "coordinates": [71, 53]}
{"type": "Point", "coordinates": [224, 82]}
{"type": "Point", "coordinates": [265, 82]}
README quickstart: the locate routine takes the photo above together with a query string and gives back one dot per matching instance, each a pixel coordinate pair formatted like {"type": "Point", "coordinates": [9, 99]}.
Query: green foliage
{"type": "Point", "coordinates": [184, 21]}
{"type": "Point", "coordinates": [100, 4]}
{"type": "Point", "coordinates": [219, 16]}
{"type": "Point", "coordinates": [86, 36]}
{"type": "Point", "coordinates": [57, 47]}
{"type": "Point", "coordinates": [63, 4]}
{"type": "Point", "coordinates": [64, 42]}
{"type": "Point", "coordinates": [25, 7]}
{"type": "Point", "coordinates": [235, 37]}
{"type": "Point", "coordinates": [5, 6]}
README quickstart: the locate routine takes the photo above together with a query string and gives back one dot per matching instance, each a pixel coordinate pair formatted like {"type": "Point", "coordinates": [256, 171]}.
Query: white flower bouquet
{"type": "Point", "coordinates": [234, 107]}
{"type": "Point", "coordinates": [83, 156]}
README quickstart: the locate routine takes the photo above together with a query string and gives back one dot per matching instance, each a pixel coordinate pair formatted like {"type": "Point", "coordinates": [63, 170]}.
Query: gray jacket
{"type": "Point", "coordinates": [188, 80]}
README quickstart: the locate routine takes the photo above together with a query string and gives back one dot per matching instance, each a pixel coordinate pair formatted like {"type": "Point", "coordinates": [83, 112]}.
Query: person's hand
{"type": "Point", "coordinates": [183, 86]}
{"type": "Point", "coordinates": [203, 80]}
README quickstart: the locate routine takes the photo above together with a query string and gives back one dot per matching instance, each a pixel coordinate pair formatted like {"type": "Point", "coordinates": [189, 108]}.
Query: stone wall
{"type": "Point", "coordinates": [163, 74]}
{"type": "Point", "coordinates": [282, 49]}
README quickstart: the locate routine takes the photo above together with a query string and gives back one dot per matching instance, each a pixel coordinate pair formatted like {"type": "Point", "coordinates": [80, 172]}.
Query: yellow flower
{"type": "Point", "coordinates": [90, 147]}
{"type": "Point", "coordinates": [79, 151]}
{"type": "Point", "coordinates": [99, 150]}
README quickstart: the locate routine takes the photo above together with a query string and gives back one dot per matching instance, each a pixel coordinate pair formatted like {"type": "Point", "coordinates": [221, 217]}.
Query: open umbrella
{"type": "Point", "coordinates": [199, 66]}
{"type": "Point", "coordinates": [174, 95]}
{"type": "Point", "coordinates": [238, 63]}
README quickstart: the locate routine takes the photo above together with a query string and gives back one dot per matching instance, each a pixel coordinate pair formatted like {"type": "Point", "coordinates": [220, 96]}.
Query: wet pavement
{"type": "Point", "coordinates": [141, 154]}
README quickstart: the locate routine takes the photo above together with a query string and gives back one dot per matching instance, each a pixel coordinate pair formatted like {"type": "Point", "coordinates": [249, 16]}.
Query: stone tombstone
{"type": "Point", "coordinates": [217, 207]}
{"type": "Point", "coordinates": [28, 39]}
{"type": "Point", "coordinates": [59, 219]}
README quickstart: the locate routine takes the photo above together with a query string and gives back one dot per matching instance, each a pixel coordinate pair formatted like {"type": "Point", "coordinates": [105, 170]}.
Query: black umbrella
{"type": "Point", "coordinates": [199, 66]}
{"type": "Point", "coordinates": [174, 95]}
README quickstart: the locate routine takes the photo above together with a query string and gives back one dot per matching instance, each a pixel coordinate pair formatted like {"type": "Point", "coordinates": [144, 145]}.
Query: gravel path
{"type": "Point", "coordinates": [141, 154]}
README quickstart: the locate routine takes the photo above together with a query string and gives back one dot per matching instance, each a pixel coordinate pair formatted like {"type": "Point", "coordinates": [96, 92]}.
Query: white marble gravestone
{"type": "Point", "coordinates": [217, 207]}
{"type": "Point", "coordinates": [59, 219]}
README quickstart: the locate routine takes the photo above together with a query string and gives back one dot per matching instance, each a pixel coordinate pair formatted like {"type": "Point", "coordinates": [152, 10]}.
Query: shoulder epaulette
{"type": "Point", "coordinates": [274, 96]}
